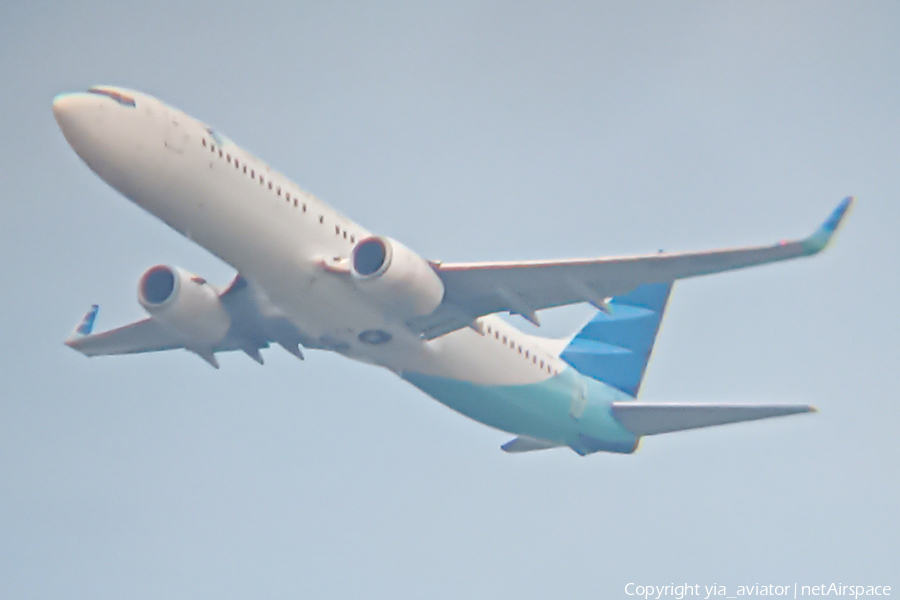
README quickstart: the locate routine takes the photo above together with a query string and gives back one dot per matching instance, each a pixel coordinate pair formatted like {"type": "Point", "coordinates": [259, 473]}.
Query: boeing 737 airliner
{"type": "Point", "coordinates": [309, 277]}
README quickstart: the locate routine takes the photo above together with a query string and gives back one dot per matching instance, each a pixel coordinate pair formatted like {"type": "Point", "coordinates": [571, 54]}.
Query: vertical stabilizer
{"type": "Point", "coordinates": [614, 347]}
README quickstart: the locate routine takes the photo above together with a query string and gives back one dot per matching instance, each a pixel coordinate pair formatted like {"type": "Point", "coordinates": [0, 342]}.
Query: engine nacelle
{"type": "Point", "coordinates": [396, 277]}
{"type": "Point", "coordinates": [185, 304]}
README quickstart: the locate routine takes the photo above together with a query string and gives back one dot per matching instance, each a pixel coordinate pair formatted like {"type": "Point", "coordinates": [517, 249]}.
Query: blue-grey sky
{"type": "Point", "coordinates": [471, 131]}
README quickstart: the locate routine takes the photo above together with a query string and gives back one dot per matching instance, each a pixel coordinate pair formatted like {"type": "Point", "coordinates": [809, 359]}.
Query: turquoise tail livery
{"type": "Point", "coordinates": [615, 345]}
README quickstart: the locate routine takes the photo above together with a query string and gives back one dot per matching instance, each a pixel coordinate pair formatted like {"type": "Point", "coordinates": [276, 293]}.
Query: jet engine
{"type": "Point", "coordinates": [396, 277]}
{"type": "Point", "coordinates": [185, 304]}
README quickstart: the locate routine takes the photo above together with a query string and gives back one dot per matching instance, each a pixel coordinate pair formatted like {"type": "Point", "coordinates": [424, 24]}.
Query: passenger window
{"type": "Point", "coordinates": [204, 142]}
{"type": "Point", "coordinates": [321, 219]}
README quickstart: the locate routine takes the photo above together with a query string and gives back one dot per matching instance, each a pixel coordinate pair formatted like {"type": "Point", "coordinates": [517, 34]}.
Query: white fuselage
{"type": "Point", "coordinates": [282, 238]}
{"type": "Point", "coordinates": [310, 265]}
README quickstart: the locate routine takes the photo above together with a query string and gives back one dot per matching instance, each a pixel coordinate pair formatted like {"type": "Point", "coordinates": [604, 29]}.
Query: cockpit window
{"type": "Point", "coordinates": [122, 99]}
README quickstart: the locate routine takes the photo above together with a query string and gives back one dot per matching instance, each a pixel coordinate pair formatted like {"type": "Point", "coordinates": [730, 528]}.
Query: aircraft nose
{"type": "Point", "coordinates": [60, 103]}
{"type": "Point", "coordinates": [73, 112]}
{"type": "Point", "coordinates": [64, 107]}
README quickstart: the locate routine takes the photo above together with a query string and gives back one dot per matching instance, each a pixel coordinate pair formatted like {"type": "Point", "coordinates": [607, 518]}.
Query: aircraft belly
{"type": "Point", "coordinates": [469, 356]}
{"type": "Point", "coordinates": [541, 410]}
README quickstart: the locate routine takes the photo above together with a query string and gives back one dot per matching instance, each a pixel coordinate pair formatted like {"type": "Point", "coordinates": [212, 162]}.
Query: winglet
{"type": "Point", "coordinates": [818, 240]}
{"type": "Point", "coordinates": [87, 323]}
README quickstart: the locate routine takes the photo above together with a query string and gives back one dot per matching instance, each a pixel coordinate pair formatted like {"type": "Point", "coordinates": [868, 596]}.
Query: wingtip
{"type": "Point", "coordinates": [85, 326]}
{"type": "Point", "coordinates": [825, 233]}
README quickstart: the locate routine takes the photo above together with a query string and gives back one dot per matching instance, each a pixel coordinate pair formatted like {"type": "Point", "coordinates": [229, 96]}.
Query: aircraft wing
{"type": "Point", "coordinates": [476, 289]}
{"type": "Point", "coordinates": [254, 326]}
{"type": "Point", "coordinates": [142, 336]}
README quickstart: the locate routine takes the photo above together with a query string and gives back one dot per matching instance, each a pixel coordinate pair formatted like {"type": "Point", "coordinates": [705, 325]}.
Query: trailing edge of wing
{"type": "Point", "coordinates": [645, 418]}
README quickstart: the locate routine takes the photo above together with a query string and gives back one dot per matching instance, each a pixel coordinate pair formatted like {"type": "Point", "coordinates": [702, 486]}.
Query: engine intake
{"type": "Point", "coordinates": [157, 285]}
{"type": "Point", "coordinates": [400, 280]}
{"type": "Point", "coordinates": [184, 304]}
{"type": "Point", "coordinates": [371, 257]}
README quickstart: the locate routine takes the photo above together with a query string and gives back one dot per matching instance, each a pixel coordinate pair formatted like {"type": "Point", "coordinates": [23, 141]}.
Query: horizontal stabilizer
{"type": "Point", "coordinates": [526, 444]}
{"type": "Point", "coordinates": [645, 418]}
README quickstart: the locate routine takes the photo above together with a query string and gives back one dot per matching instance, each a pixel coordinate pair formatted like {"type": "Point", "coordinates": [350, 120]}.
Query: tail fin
{"type": "Point", "coordinates": [614, 347]}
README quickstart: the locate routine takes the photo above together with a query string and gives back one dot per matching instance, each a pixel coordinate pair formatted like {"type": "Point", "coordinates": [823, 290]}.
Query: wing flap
{"type": "Point", "coordinates": [645, 418]}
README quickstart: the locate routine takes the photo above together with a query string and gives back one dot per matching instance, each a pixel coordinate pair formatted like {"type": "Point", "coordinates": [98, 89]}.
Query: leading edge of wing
{"type": "Point", "coordinates": [812, 244]}
{"type": "Point", "coordinates": [649, 418]}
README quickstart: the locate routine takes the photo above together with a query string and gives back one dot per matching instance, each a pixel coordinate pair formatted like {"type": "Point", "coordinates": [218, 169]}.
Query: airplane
{"type": "Point", "coordinates": [310, 278]}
